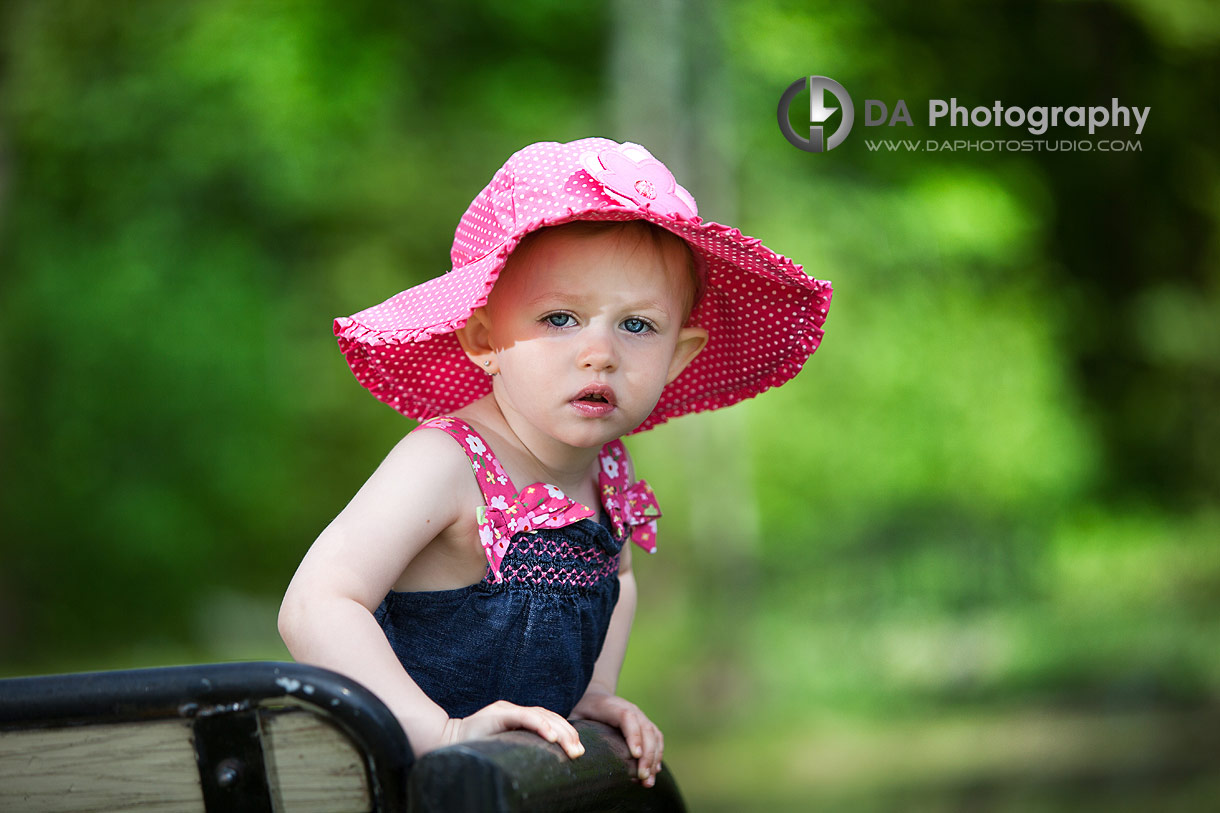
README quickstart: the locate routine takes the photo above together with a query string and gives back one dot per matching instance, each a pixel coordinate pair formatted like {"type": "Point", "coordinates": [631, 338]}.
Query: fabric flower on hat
{"type": "Point", "coordinates": [631, 175]}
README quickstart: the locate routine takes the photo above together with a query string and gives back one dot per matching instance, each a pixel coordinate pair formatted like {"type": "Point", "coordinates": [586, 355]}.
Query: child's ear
{"type": "Point", "coordinates": [475, 339]}
{"type": "Point", "coordinates": [691, 341]}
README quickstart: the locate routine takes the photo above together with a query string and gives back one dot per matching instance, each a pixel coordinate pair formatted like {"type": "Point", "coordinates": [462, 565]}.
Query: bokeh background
{"type": "Point", "coordinates": [967, 560]}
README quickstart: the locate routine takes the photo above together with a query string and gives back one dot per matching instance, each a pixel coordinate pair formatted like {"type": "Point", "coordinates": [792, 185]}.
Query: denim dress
{"type": "Point", "coordinates": [530, 632]}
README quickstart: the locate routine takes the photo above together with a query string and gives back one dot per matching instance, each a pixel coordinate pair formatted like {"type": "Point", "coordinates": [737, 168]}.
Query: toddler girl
{"type": "Point", "coordinates": [587, 301]}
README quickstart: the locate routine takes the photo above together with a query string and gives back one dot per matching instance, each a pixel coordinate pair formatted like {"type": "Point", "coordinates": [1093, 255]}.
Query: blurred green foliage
{"type": "Point", "coordinates": [989, 504]}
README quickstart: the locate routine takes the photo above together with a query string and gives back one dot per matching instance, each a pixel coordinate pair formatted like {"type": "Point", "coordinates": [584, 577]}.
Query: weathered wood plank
{"type": "Point", "coordinates": [312, 767]}
{"type": "Point", "coordinates": [145, 766]}
{"type": "Point", "coordinates": [136, 740]}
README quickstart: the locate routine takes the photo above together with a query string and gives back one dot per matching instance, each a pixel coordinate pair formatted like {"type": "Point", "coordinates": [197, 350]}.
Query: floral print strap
{"type": "Point", "coordinates": [631, 505]}
{"type": "Point", "coordinates": [507, 512]}
{"type": "Point", "coordinates": [493, 480]}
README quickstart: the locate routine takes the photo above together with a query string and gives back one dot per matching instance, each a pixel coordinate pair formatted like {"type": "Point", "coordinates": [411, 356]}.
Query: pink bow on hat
{"type": "Point", "coordinates": [537, 506]}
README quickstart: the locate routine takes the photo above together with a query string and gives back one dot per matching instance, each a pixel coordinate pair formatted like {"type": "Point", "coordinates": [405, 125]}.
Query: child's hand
{"type": "Point", "coordinates": [504, 716]}
{"type": "Point", "coordinates": [643, 737]}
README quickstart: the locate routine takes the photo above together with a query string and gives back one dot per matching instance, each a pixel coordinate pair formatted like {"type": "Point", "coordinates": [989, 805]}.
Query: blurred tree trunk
{"type": "Point", "coordinates": [670, 92]}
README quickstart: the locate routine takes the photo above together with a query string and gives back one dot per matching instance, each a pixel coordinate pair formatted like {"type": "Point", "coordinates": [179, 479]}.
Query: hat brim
{"type": "Point", "coordinates": [763, 315]}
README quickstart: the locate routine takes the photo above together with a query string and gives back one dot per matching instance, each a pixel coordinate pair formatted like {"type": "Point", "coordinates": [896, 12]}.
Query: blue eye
{"type": "Point", "coordinates": [557, 319]}
{"type": "Point", "coordinates": [635, 325]}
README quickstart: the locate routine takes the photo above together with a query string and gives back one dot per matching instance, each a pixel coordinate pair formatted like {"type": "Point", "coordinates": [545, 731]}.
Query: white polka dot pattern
{"type": "Point", "coordinates": [763, 314]}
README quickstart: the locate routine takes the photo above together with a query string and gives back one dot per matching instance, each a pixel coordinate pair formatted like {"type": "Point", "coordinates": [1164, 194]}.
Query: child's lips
{"type": "Point", "coordinates": [595, 400]}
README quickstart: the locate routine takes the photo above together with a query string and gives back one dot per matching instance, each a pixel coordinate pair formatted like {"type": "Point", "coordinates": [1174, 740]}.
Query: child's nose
{"type": "Point", "coordinates": [598, 352]}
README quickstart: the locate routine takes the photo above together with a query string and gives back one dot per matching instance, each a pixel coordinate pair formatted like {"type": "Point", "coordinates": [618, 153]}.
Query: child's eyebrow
{"type": "Point", "coordinates": [578, 299]}
{"type": "Point", "coordinates": [548, 296]}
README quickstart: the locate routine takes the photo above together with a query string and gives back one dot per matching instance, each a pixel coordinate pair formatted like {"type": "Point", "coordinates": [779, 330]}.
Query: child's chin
{"type": "Point", "coordinates": [591, 435]}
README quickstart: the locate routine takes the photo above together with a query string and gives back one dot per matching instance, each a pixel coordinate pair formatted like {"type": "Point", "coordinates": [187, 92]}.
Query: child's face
{"type": "Point", "coordinates": [586, 330]}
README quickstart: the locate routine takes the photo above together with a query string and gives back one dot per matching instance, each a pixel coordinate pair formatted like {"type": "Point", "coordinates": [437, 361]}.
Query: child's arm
{"type": "Point", "coordinates": [600, 701]}
{"type": "Point", "coordinates": [422, 490]}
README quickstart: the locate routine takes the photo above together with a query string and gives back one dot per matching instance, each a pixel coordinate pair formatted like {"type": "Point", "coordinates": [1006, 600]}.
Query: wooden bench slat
{"type": "Point", "coordinates": [146, 766]}
{"type": "Point", "coordinates": [312, 767]}
{"type": "Point", "coordinates": [283, 737]}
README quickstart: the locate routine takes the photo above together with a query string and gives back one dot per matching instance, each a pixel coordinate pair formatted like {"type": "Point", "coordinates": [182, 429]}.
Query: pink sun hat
{"type": "Point", "coordinates": [763, 314]}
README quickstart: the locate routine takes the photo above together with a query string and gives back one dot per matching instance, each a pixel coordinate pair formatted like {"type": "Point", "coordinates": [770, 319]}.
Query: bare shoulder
{"type": "Point", "coordinates": [429, 461]}
{"type": "Point", "coordinates": [430, 453]}
{"type": "Point", "coordinates": [425, 480]}
{"type": "Point", "coordinates": [422, 488]}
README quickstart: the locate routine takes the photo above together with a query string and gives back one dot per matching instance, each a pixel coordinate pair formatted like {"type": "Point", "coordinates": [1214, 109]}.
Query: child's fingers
{"type": "Point", "coordinates": [630, 726]}
{"type": "Point", "coordinates": [567, 737]}
{"type": "Point", "coordinates": [651, 756]}
{"type": "Point", "coordinates": [656, 765]}
{"type": "Point", "coordinates": [553, 728]}
{"type": "Point", "coordinates": [660, 748]}
{"type": "Point", "coordinates": [504, 716]}
{"type": "Point", "coordinates": [651, 750]}
{"type": "Point", "coordinates": [643, 738]}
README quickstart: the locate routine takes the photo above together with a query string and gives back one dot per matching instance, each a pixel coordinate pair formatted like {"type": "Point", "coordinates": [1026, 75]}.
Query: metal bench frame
{"type": "Point", "coordinates": [227, 710]}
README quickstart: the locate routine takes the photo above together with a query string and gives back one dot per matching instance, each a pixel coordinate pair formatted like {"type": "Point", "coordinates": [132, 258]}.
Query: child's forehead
{"type": "Point", "coordinates": [589, 261]}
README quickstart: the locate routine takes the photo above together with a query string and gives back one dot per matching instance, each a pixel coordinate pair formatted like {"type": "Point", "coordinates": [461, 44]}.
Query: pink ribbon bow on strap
{"type": "Point", "coordinates": [635, 508]}
{"type": "Point", "coordinates": [537, 506]}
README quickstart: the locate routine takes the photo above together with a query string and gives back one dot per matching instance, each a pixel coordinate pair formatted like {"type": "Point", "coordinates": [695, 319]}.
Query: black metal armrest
{"type": "Point", "coordinates": [519, 771]}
